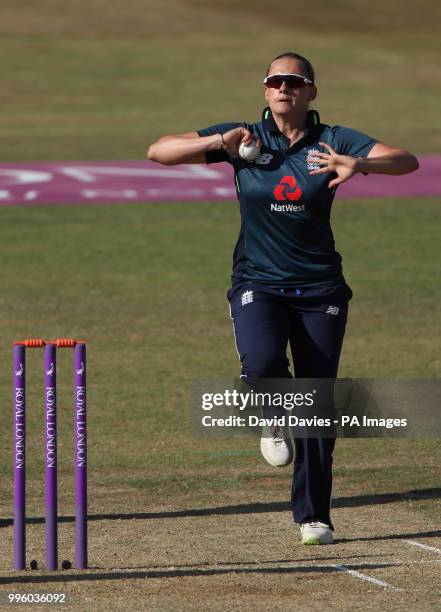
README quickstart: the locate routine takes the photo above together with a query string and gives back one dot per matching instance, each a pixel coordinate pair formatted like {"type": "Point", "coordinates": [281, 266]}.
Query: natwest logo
{"type": "Point", "coordinates": [287, 189]}
{"type": "Point", "coordinates": [287, 207]}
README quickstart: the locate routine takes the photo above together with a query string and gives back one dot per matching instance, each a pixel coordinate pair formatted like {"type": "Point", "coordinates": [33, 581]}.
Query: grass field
{"type": "Point", "coordinates": [177, 522]}
{"type": "Point", "coordinates": [98, 80]}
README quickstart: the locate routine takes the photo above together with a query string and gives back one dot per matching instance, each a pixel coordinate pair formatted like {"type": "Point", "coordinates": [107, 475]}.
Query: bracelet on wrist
{"type": "Point", "coordinates": [222, 143]}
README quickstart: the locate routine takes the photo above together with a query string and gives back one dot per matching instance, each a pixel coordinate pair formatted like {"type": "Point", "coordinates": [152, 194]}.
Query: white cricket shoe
{"type": "Point", "coordinates": [276, 445]}
{"type": "Point", "coordinates": [316, 533]}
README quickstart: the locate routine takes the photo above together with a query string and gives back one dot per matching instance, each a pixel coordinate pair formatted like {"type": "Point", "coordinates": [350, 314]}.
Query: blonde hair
{"type": "Point", "coordinates": [307, 66]}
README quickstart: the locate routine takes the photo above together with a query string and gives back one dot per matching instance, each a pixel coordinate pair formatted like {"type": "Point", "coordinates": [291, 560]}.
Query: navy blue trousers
{"type": "Point", "coordinates": [312, 321]}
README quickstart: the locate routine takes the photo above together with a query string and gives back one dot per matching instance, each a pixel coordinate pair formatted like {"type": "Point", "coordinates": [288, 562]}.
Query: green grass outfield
{"type": "Point", "coordinates": [100, 79]}
{"type": "Point", "coordinates": [146, 284]}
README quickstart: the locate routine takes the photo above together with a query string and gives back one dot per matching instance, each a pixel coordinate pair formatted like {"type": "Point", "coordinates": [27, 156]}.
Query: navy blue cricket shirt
{"type": "Point", "coordinates": [285, 237]}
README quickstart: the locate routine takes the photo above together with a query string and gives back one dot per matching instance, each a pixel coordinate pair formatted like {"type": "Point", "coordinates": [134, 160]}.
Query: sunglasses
{"type": "Point", "coordinates": [293, 81]}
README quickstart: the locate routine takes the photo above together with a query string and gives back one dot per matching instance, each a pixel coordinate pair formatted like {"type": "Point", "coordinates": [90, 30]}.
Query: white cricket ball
{"type": "Point", "coordinates": [249, 152]}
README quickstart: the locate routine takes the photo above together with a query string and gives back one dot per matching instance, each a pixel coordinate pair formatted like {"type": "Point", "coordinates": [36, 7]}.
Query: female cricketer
{"type": "Point", "coordinates": [287, 280]}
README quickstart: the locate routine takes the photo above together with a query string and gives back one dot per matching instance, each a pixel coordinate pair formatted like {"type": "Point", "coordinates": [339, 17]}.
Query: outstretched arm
{"type": "Point", "coordinates": [380, 160]}
{"type": "Point", "coordinates": [190, 148]}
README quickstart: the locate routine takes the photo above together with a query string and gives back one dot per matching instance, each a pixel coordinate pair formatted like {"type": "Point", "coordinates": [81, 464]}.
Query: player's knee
{"type": "Point", "coordinates": [265, 366]}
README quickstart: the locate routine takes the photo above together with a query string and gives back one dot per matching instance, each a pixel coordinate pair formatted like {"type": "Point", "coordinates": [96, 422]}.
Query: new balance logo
{"type": "Point", "coordinates": [263, 159]}
{"type": "Point", "coordinates": [247, 297]}
{"type": "Point", "coordinates": [333, 310]}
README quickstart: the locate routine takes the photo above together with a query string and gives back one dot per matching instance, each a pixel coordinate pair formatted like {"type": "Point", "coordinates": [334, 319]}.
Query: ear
{"type": "Point", "coordinates": [313, 94]}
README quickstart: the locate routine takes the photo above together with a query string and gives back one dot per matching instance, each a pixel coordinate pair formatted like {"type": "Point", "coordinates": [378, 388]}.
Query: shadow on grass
{"type": "Point", "coordinates": [260, 562]}
{"type": "Point", "coordinates": [173, 572]}
{"type": "Point", "coordinates": [255, 508]}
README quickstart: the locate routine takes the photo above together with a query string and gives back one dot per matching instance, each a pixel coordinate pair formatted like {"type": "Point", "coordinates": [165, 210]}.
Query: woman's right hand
{"type": "Point", "coordinates": [235, 137]}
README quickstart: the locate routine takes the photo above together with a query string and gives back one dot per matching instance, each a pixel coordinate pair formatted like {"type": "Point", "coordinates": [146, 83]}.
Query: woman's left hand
{"type": "Point", "coordinates": [343, 165]}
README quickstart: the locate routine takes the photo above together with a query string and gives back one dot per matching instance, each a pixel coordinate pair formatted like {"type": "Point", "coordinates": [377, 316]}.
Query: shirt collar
{"type": "Point", "coordinates": [312, 119]}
